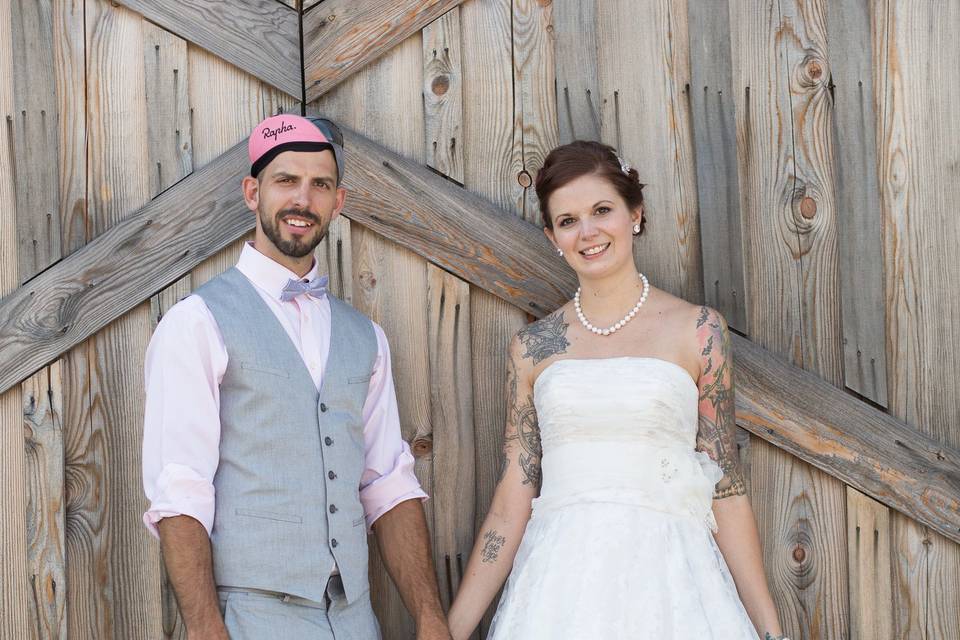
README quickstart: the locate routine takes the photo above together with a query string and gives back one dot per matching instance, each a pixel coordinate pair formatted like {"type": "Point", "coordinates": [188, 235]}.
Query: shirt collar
{"type": "Point", "coordinates": [265, 273]}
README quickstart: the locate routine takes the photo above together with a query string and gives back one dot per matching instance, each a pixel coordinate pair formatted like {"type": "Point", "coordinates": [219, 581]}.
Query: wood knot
{"type": "Point", "coordinates": [525, 179]}
{"type": "Point", "coordinates": [440, 85]}
{"type": "Point", "coordinates": [808, 207]}
{"type": "Point", "coordinates": [799, 554]}
{"type": "Point", "coordinates": [814, 69]}
{"type": "Point", "coordinates": [368, 280]}
{"type": "Point", "coordinates": [422, 446]}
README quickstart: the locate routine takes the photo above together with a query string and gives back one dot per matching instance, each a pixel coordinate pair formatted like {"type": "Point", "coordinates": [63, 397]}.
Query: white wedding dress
{"type": "Point", "coordinates": [619, 544]}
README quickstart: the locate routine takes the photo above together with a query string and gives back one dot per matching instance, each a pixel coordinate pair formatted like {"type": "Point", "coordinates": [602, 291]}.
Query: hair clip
{"type": "Point", "coordinates": [624, 166]}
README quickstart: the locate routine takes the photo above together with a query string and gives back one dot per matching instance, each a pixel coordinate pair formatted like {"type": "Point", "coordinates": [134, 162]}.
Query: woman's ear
{"type": "Point", "coordinates": [549, 233]}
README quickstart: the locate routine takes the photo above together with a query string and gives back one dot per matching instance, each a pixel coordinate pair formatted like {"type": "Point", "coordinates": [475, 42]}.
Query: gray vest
{"type": "Point", "coordinates": [287, 487]}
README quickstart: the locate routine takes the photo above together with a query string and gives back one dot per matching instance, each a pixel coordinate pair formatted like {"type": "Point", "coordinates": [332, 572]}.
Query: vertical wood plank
{"type": "Point", "coordinates": [451, 369]}
{"type": "Point", "coordinates": [575, 45]}
{"type": "Point", "coordinates": [168, 112]}
{"type": "Point", "coordinates": [15, 595]}
{"type": "Point", "coordinates": [868, 537]}
{"type": "Point", "coordinates": [647, 118]}
{"type": "Point", "coordinates": [390, 283]}
{"type": "Point", "coordinates": [918, 179]}
{"type": "Point", "coordinates": [122, 566]}
{"type": "Point", "coordinates": [69, 47]}
{"type": "Point", "coordinates": [534, 99]}
{"type": "Point", "coordinates": [488, 135]}
{"type": "Point", "coordinates": [170, 157]}
{"type": "Point", "coordinates": [35, 153]}
{"type": "Point", "coordinates": [859, 217]}
{"type": "Point", "coordinates": [443, 95]}
{"type": "Point", "coordinates": [451, 402]}
{"type": "Point", "coordinates": [786, 181]}
{"type": "Point", "coordinates": [36, 144]}
{"type": "Point", "coordinates": [715, 140]}
{"type": "Point", "coordinates": [43, 431]}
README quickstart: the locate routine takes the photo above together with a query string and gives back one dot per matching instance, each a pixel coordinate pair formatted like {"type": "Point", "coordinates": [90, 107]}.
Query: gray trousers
{"type": "Point", "coordinates": [251, 614]}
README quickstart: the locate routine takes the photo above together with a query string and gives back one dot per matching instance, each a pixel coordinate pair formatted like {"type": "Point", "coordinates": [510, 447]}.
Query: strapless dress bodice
{"type": "Point", "coordinates": [622, 430]}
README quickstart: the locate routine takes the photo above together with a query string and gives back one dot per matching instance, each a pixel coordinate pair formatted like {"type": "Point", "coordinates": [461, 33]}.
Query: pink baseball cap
{"type": "Point", "coordinates": [287, 132]}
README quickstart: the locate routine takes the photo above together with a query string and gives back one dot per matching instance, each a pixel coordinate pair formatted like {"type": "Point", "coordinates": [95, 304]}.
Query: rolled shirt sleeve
{"type": "Point", "coordinates": [185, 361]}
{"type": "Point", "coordinates": [388, 477]}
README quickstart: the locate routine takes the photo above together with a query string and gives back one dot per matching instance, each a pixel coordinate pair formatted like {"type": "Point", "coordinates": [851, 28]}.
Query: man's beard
{"type": "Point", "coordinates": [295, 247]}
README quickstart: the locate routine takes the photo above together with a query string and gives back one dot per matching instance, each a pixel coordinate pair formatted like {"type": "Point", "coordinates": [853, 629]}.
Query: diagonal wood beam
{"type": "Point", "coordinates": [470, 237]}
{"type": "Point", "coordinates": [261, 37]}
{"type": "Point", "coordinates": [341, 36]}
{"type": "Point", "coordinates": [76, 297]}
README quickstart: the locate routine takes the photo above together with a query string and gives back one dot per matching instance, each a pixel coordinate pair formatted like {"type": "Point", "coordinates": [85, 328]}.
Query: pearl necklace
{"type": "Point", "coordinates": [618, 325]}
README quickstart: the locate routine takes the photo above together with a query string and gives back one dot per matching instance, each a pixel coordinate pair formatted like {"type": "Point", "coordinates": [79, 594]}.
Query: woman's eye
{"type": "Point", "coordinates": [565, 221]}
{"type": "Point", "coordinates": [603, 209]}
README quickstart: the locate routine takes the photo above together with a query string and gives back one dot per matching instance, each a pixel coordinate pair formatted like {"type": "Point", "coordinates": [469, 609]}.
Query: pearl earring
{"type": "Point", "coordinates": [559, 252]}
{"type": "Point", "coordinates": [636, 229]}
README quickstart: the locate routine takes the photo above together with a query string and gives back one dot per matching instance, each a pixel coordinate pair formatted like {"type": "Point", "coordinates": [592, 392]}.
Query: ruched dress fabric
{"type": "Point", "coordinates": [619, 544]}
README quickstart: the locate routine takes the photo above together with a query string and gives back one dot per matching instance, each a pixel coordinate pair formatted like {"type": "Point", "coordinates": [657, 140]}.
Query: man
{"type": "Point", "coordinates": [271, 433]}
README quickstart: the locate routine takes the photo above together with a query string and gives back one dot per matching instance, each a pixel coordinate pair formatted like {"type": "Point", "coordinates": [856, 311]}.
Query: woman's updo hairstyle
{"type": "Point", "coordinates": [586, 157]}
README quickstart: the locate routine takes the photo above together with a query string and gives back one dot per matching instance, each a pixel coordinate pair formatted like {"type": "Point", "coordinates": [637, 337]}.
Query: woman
{"type": "Point", "coordinates": [620, 430]}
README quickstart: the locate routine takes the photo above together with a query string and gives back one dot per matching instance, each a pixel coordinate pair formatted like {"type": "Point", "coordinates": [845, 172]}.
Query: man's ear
{"type": "Point", "coordinates": [251, 192]}
{"type": "Point", "coordinates": [341, 198]}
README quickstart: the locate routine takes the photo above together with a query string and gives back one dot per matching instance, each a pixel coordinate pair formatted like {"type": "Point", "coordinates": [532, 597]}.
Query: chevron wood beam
{"type": "Point", "coordinates": [261, 37]}
{"type": "Point", "coordinates": [470, 237]}
{"type": "Point", "coordinates": [341, 36]}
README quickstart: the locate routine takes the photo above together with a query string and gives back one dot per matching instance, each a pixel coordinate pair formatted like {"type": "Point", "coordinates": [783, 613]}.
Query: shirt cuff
{"type": "Point", "coordinates": [391, 489]}
{"type": "Point", "coordinates": [181, 491]}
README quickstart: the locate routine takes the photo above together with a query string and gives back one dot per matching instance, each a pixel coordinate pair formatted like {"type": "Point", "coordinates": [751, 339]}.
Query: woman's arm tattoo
{"type": "Point", "coordinates": [716, 431]}
{"type": "Point", "coordinates": [492, 544]}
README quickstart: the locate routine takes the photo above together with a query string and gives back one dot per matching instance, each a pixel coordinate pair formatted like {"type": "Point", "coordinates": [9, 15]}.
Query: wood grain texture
{"type": "Point", "coordinates": [43, 432]}
{"type": "Point", "coordinates": [15, 588]}
{"type": "Point", "coordinates": [451, 408]}
{"type": "Point", "coordinates": [443, 95]}
{"type": "Point", "coordinates": [342, 36]}
{"type": "Point", "coordinates": [575, 54]}
{"type": "Point", "coordinates": [859, 217]}
{"type": "Point", "coordinates": [489, 171]}
{"type": "Point", "coordinates": [864, 447]}
{"type": "Point", "coordinates": [793, 288]}
{"type": "Point", "coordinates": [168, 110]}
{"type": "Point", "coordinates": [918, 185]}
{"type": "Point", "coordinates": [646, 116]}
{"type": "Point", "coordinates": [390, 282]}
{"type": "Point", "coordinates": [228, 28]}
{"type": "Point", "coordinates": [69, 47]}
{"type": "Point", "coordinates": [534, 100]}
{"type": "Point", "coordinates": [715, 139]}
{"type": "Point", "coordinates": [868, 536]}
{"type": "Point", "coordinates": [119, 574]}
{"type": "Point", "coordinates": [36, 147]}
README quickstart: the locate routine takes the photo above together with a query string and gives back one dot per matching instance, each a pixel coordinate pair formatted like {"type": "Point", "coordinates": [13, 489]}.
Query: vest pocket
{"type": "Point", "coordinates": [256, 366]}
{"type": "Point", "coordinates": [269, 515]}
{"type": "Point", "coordinates": [359, 379]}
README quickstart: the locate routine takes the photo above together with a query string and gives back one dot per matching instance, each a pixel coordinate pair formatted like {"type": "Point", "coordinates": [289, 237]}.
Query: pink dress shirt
{"type": "Point", "coordinates": [185, 363]}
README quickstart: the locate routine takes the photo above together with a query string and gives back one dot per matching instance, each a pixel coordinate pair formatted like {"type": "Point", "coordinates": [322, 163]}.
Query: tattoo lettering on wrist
{"type": "Point", "coordinates": [492, 543]}
{"type": "Point", "coordinates": [770, 636]}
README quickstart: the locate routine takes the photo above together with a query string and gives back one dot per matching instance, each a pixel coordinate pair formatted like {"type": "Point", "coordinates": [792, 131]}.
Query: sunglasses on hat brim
{"type": "Point", "coordinates": [330, 131]}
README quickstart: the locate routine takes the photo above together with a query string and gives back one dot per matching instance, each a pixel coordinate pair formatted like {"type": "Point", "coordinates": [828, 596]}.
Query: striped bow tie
{"type": "Point", "coordinates": [316, 288]}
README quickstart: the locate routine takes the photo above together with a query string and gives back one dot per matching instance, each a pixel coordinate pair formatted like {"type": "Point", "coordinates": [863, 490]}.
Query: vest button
{"type": "Point", "coordinates": [331, 475]}
{"type": "Point", "coordinates": [323, 407]}
{"type": "Point", "coordinates": [334, 543]}
{"type": "Point", "coordinates": [328, 441]}
{"type": "Point", "coordinates": [333, 508]}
